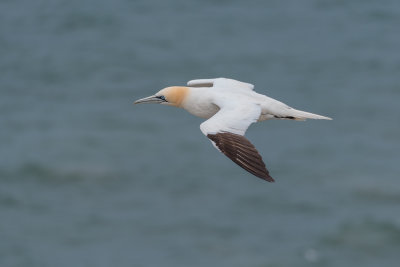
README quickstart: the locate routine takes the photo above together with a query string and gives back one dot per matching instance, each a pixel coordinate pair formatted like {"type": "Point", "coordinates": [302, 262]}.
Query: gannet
{"type": "Point", "coordinates": [229, 106]}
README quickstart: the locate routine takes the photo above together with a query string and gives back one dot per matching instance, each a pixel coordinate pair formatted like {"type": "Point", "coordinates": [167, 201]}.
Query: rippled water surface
{"type": "Point", "coordinates": [88, 179]}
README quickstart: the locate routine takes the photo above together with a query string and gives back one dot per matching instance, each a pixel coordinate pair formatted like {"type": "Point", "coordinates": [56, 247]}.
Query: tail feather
{"type": "Point", "coordinates": [303, 115]}
{"type": "Point", "coordinates": [299, 115]}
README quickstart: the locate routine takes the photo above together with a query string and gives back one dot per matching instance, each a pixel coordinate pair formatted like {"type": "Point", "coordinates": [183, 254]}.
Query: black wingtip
{"type": "Point", "coordinates": [266, 177]}
{"type": "Point", "coordinates": [269, 179]}
{"type": "Point", "coordinates": [242, 152]}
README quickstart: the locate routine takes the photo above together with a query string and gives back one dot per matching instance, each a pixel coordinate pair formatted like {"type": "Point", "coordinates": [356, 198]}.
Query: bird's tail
{"type": "Point", "coordinates": [303, 115]}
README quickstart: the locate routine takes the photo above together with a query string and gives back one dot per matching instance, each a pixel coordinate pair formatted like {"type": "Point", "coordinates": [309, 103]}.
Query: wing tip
{"type": "Point", "coordinates": [201, 83]}
{"type": "Point", "coordinates": [269, 179]}
{"type": "Point", "coordinates": [266, 177]}
{"type": "Point", "coordinates": [232, 146]}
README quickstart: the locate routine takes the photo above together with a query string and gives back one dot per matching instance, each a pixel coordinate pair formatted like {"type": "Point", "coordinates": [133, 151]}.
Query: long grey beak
{"type": "Point", "coordinates": [149, 100]}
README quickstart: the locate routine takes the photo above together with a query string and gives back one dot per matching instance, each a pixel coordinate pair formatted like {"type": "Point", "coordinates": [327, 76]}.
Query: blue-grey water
{"type": "Point", "coordinates": [88, 179]}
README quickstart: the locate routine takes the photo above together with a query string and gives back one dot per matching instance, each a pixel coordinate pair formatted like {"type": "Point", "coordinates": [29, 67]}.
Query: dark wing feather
{"type": "Point", "coordinates": [242, 152]}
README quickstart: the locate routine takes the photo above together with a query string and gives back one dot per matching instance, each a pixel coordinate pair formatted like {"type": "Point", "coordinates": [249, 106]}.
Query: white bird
{"type": "Point", "coordinates": [230, 107]}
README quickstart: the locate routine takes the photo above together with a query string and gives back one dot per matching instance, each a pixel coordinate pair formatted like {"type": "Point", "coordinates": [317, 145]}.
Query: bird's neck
{"type": "Point", "coordinates": [198, 101]}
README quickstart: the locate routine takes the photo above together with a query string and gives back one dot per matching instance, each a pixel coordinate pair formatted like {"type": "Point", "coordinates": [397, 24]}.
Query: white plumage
{"type": "Point", "coordinates": [230, 107]}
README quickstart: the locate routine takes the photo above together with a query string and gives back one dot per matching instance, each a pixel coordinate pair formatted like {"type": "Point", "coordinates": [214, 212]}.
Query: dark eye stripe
{"type": "Point", "coordinates": [161, 97]}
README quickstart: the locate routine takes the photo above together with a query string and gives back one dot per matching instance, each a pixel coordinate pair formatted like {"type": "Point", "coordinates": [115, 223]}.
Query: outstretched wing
{"type": "Point", "coordinates": [220, 82]}
{"type": "Point", "coordinates": [226, 131]}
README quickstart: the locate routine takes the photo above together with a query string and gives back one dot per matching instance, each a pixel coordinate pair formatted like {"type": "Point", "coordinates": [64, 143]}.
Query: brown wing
{"type": "Point", "coordinates": [242, 152]}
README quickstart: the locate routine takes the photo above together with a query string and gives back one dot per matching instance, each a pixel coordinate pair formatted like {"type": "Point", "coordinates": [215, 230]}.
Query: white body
{"type": "Point", "coordinates": [207, 96]}
{"type": "Point", "coordinates": [200, 102]}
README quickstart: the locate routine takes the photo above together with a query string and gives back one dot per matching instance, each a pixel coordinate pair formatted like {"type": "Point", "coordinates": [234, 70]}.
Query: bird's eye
{"type": "Point", "coordinates": [161, 97]}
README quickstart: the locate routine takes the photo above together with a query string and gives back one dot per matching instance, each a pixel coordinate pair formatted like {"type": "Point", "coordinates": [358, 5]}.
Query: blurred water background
{"type": "Point", "coordinates": [88, 179]}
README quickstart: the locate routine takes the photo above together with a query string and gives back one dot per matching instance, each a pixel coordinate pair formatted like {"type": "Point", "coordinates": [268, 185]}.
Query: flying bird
{"type": "Point", "coordinates": [229, 106]}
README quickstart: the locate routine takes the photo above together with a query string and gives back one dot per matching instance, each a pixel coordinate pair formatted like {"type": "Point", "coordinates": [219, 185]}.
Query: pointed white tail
{"type": "Point", "coordinates": [303, 115]}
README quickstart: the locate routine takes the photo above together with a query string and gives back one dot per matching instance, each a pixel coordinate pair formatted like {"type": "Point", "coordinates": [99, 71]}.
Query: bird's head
{"type": "Point", "coordinates": [172, 96]}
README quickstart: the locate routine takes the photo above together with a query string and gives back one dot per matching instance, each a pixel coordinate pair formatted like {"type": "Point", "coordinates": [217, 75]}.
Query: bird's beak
{"type": "Point", "coordinates": [149, 100]}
